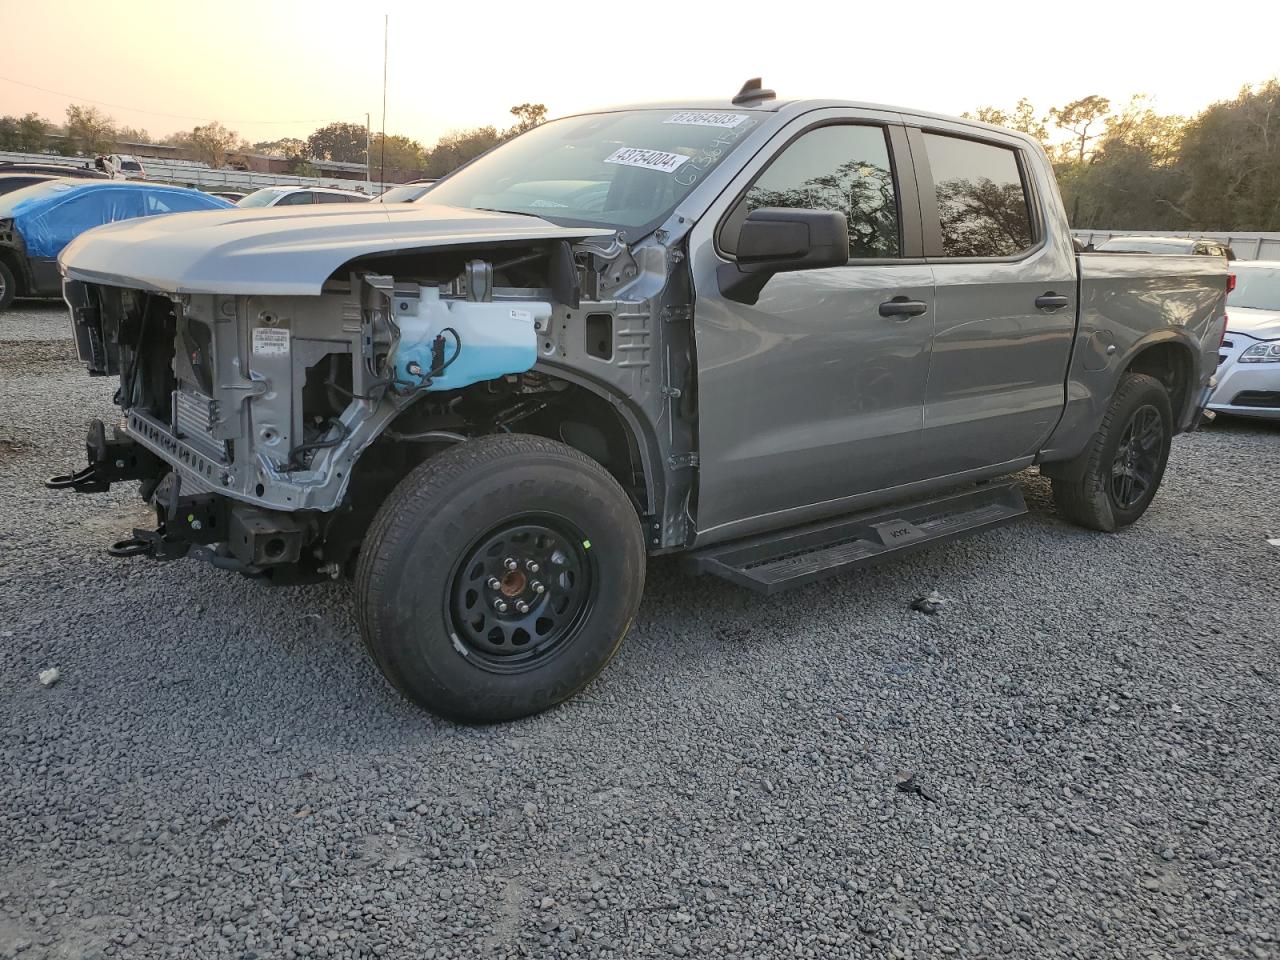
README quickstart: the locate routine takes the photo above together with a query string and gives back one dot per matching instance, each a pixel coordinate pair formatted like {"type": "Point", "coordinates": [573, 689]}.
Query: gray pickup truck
{"type": "Point", "coordinates": [782, 338]}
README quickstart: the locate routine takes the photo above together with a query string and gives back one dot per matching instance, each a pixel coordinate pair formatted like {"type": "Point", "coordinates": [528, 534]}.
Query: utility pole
{"type": "Point", "coordinates": [382, 172]}
{"type": "Point", "coordinates": [368, 156]}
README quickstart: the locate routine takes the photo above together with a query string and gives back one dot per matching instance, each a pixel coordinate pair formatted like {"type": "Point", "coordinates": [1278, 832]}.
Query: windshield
{"type": "Point", "coordinates": [260, 198]}
{"type": "Point", "coordinates": [1256, 287]}
{"type": "Point", "coordinates": [626, 170]}
{"type": "Point", "coordinates": [10, 200]}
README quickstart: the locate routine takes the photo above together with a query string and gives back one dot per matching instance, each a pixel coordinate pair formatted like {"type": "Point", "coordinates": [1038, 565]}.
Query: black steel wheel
{"type": "Point", "coordinates": [522, 592]}
{"type": "Point", "coordinates": [499, 577]}
{"type": "Point", "coordinates": [1111, 484]}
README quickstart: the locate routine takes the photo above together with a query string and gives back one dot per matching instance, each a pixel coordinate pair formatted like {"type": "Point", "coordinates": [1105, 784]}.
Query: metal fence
{"type": "Point", "coordinates": [187, 173]}
{"type": "Point", "coordinates": [1247, 246]}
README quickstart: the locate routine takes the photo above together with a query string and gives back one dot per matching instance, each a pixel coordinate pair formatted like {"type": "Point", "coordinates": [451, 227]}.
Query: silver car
{"type": "Point", "coordinates": [1249, 362]}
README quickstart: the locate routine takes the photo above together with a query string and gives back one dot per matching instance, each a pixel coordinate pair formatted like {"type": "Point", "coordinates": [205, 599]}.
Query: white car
{"type": "Point", "coordinates": [1249, 362]}
{"type": "Point", "coordinates": [289, 196]}
{"type": "Point", "coordinates": [121, 167]}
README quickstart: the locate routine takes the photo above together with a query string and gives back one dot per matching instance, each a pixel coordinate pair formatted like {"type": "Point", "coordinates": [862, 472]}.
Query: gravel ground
{"type": "Point", "coordinates": [221, 772]}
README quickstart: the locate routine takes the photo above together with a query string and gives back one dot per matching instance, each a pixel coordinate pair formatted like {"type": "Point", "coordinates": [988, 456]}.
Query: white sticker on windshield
{"type": "Point", "coordinates": [648, 159]}
{"type": "Point", "coordinates": [270, 340]}
{"type": "Point", "coordinates": [703, 118]}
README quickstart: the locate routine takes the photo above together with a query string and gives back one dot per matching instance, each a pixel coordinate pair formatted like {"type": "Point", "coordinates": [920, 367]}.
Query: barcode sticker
{"type": "Point", "coordinates": [703, 118]}
{"type": "Point", "coordinates": [271, 340]}
{"type": "Point", "coordinates": [658, 160]}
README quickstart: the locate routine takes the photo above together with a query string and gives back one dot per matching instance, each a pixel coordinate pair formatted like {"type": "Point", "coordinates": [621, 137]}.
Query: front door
{"type": "Point", "coordinates": [814, 394]}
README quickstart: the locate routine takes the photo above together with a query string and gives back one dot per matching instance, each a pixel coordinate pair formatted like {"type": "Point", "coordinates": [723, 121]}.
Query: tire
{"type": "Point", "coordinates": [425, 601]}
{"type": "Point", "coordinates": [8, 286]}
{"type": "Point", "coordinates": [1124, 464]}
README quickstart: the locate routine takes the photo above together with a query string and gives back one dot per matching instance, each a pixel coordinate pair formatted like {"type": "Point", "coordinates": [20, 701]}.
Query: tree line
{"type": "Point", "coordinates": [1132, 168]}
{"type": "Point", "coordinates": [1126, 167]}
{"type": "Point", "coordinates": [88, 131]}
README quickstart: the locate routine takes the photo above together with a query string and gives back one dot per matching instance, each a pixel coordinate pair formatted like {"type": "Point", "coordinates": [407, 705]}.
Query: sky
{"type": "Point", "coordinates": [277, 68]}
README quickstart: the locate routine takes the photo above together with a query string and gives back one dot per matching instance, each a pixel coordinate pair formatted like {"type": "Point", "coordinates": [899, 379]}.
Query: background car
{"type": "Point", "coordinates": [10, 182]}
{"type": "Point", "coordinates": [406, 192]}
{"type": "Point", "coordinates": [1180, 245]}
{"type": "Point", "coordinates": [53, 170]}
{"type": "Point", "coordinates": [291, 196]}
{"type": "Point", "coordinates": [121, 166]}
{"type": "Point", "coordinates": [36, 222]}
{"type": "Point", "coordinates": [232, 196]}
{"type": "Point", "coordinates": [1249, 361]}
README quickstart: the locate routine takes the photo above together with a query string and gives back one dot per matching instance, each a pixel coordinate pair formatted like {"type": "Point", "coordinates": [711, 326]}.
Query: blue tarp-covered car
{"type": "Point", "coordinates": [36, 222]}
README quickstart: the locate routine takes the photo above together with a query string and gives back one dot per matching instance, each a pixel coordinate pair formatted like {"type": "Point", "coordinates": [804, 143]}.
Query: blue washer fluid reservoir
{"type": "Point", "coordinates": [498, 338]}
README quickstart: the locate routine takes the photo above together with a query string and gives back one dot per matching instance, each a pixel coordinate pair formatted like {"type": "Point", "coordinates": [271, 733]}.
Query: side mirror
{"type": "Point", "coordinates": [779, 239]}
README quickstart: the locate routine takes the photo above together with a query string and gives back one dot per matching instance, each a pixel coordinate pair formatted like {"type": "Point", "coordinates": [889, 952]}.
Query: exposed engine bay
{"type": "Point", "coordinates": [268, 429]}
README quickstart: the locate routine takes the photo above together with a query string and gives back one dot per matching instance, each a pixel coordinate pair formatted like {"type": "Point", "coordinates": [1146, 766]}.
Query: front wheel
{"type": "Point", "coordinates": [8, 286]}
{"type": "Point", "coordinates": [1124, 465]}
{"type": "Point", "coordinates": [499, 577]}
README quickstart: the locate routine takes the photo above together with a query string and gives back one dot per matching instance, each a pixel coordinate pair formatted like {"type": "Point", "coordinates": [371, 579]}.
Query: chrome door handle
{"type": "Point", "coordinates": [902, 308]}
{"type": "Point", "coordinates": [1052, 301]}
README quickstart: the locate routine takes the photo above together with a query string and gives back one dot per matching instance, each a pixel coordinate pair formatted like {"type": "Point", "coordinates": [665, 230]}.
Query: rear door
{"type": "Point", "coordinates": [811, 396]}
{"type": "Point", "coordinates": [1005, 299]}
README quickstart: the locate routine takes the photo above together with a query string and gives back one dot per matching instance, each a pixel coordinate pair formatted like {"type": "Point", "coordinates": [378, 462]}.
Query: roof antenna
{"type": "Point", "coordinates": [752, 90]}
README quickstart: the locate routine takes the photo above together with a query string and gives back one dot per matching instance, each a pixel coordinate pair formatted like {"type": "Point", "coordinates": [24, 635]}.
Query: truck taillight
{"type": "Point", "coordinates": [1231, 282]}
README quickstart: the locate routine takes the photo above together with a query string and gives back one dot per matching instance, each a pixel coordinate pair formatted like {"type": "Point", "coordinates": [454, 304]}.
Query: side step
{"type": "Point", "coordinates": [800, 555]}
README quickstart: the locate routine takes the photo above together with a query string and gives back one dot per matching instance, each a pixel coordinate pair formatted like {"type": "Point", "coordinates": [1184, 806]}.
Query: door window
{"type": "Point", "coordinates": [982, 203]}
{"type": "Point", "coordinates": [166, 202]}
{"type": "Point", "coordinates": [302, 196]}
{"type": "Point", "coordinates": [845, 168]}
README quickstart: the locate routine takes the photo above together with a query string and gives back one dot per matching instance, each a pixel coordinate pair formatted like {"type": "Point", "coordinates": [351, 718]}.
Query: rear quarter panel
{"type": "Point", "coordinates": [1128, 303]}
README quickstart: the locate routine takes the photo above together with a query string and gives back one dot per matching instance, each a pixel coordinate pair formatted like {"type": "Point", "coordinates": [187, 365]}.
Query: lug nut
{"type": "Point", "coordinates": [538, 588]}
{"type": "Point", "coordinates": [531, 566]}
{"type": "Point", "coordinates": [500, 606]}
{"type": "Point", "coordinates": [510, 564]}
{"type": "Point", "coordinates": [493, 583]}
{"type": "Point", "coordinates": [522, 606]}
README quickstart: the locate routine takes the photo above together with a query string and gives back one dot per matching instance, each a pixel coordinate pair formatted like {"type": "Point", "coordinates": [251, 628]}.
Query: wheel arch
{"type": "Point", "coordinates": [1167, 356]}
{"type": "Point", "coordinates": [17, 265]}
{"type": "Point", "coordinates": [607, 428]}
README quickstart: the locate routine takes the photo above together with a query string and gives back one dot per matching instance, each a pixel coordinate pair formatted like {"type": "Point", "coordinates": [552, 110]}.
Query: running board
{"type": "Point", "coordinates": [790, 558]}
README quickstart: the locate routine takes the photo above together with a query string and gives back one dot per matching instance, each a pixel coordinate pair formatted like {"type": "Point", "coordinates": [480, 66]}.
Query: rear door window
{"type": "Point", "coordinates": [843, 167]}
{"type": "Point", "coordinates": [167, 202]}
{"type": "Point", "coordinates": [982, 200]}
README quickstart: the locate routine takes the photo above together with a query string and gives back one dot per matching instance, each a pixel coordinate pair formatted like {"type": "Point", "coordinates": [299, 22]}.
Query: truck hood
{"type": "Point", "coordinates": [1259, 324]}
{"type": "Point", "coordinates": [269, 251]}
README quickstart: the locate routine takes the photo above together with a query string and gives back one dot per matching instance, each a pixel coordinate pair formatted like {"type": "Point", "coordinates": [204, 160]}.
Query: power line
{"type": "Point", "coordinates": [156, 113]}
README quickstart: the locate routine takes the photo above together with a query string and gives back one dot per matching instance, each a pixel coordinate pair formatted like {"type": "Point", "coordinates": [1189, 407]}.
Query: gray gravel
{"type": "Point", "coordinates": [1091, 722]}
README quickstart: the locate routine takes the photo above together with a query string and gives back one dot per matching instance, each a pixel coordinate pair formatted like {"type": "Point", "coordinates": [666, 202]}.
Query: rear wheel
{"type": "Point", "coordinates": [499, 577]}
{"type": "Point", "coordinates": [8, 286]}
{"type": "Point", "coordinates": [1124, 465]}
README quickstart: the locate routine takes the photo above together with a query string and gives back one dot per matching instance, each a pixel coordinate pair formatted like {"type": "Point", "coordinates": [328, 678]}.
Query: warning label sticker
{"type": "Point", "coordinates": [658, 160]}
{"type": "Point", "coordinates": [270, 340]}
